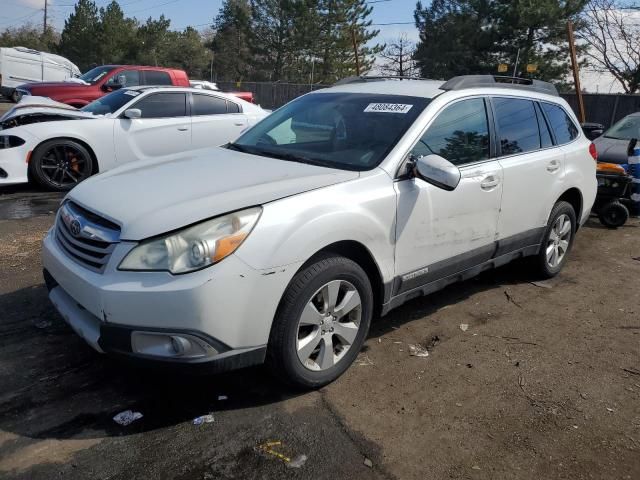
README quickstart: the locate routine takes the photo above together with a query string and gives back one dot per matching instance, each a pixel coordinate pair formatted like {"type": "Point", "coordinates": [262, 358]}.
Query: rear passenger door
{"type": "Point", "coordinates": [533, 171]}
{"type": "Point", "coordinates": [163, 129]}
{"type": "Point", "coordinates": [441, 233]}
{"type": "Point", "coordinates": [215, 120]}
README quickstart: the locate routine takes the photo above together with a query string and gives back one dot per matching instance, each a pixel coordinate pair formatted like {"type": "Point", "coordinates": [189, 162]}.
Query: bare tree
{"type": "Point", "coordinates": [612, 32]}
{"type": "Point", "coordinates": [397, 58]}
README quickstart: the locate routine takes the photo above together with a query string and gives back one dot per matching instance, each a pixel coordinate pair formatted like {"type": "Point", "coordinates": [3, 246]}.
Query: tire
{"type": "Point", "coordinates": [543, 266]}
{"type": "Point", "coordinates": [613, 215]}
{"type": "Point", "coordinates": [291, 341]}
{"type": "Point", "coordinates": [60, 164]}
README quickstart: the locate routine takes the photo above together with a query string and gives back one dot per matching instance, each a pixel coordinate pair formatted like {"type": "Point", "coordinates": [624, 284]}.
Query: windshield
{"type": "Point", "coordinates": [625, 129]}
{"type": "Point", "coordinates": [350, 131]}
{"type": "Point", "coordinates": [95, 74]}
{"type": "Point", "coordinates": [111, 102]}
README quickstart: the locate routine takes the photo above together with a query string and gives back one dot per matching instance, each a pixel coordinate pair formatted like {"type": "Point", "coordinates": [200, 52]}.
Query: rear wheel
{"type": "Point", "coordinates": [557, 240]}
{"type": "Point", "coordinates": [322, 322]}
{"type": "Point", "coordinates": [613, 214]}
{"type": "Point", "coordinates": [60, 164]}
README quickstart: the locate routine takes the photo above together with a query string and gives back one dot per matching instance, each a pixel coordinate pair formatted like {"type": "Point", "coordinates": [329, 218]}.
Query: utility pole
{"type": "Point", "coordinates": [44, 31]}
{"type": "Point", "coordinates": [355, 50]}
{"type": "Point", "coordinates": [576, 75]}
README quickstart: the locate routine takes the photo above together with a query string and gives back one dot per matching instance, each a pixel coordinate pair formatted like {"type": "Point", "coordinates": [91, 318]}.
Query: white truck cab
{"type": "Point", "coordinates": [347, 201]}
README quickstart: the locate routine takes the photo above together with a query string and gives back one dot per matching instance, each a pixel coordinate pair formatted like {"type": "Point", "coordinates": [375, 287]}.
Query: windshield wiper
{"type": "Point", "coordinates": [291, 157]}
{"type": "Point", "coordinates": [239, 148]}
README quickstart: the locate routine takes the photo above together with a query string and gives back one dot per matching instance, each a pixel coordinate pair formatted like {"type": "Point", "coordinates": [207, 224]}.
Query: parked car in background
{"type": "Point", "coordinates": [19, 65]}
{"type": "Point", "coordinates": [346, 201]}
{"type": "Point", "coordinates": [102, 80]}
{"type": "Point", "coordinates": [613, 144]}
{"type": "Point", "coordinates": [59, 146]}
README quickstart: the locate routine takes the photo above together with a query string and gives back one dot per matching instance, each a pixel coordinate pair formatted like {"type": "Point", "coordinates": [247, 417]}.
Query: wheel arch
{"type": "Point", "coordinates": [94, 158]}
{"type": "Point", "coordinates": [573, 196]}
{"type": "Point", "coordinates": [360, 254]}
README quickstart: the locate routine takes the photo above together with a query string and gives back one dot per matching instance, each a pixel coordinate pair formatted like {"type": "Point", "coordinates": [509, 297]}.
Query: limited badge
{"type": "Point", "coordinates": [388, 108]}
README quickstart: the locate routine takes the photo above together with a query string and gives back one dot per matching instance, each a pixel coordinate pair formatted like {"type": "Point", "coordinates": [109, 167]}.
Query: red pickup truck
{"type": "Point", "coordinates": [99, 81]}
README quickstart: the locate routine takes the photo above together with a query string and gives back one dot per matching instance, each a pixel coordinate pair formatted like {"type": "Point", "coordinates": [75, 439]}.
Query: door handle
{"type": "Point", "coordinates": [553, 166]}
{"type": "Point", "coordinates": [239, 124]}
{"type": "Point", "coordinates": [490, 182]}
{"type": "Point", "coordinates": [183, 129]}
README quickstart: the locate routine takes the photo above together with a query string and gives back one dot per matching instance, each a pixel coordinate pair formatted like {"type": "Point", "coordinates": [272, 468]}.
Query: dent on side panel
{"type": "Point", "coordinates": [293, 229]}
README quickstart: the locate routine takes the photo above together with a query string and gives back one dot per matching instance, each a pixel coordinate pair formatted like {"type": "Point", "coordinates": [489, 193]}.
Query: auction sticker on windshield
{"type": "Point", "coordinates": [388, 108]}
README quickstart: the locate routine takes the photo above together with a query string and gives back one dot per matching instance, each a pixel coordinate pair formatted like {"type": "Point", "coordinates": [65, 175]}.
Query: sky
{"type": "Point", "coordinates": [192, 12]}
{"type": "Point", "coordinates": [200, 13]}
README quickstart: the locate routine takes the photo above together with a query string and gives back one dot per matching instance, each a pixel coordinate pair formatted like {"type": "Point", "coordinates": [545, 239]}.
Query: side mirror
{"type": "Point", "coordinates": [133, 113]}
{"type": "Point", "coordinates": [437, 171]}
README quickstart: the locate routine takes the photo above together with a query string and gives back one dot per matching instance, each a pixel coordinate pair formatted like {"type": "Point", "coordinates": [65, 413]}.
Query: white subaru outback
{"type": "Point", "coordinates": [342, 204]}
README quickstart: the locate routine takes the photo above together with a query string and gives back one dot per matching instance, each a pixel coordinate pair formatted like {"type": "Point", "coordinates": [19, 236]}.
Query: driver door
{"type": "Point", "coordinates": [440, 233]}
{"type": "Point", "coordinates": [163, 129]}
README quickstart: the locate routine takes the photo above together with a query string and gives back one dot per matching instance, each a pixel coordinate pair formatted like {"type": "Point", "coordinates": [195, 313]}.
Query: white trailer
{"type": "Point", "coordinates": [20, 65]}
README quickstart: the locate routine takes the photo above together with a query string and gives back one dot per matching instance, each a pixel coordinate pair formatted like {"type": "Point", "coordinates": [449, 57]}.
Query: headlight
{"type": "Point", "coordinates": [10, 141]}
{"type": "Point", "coordinates": [194, 247]}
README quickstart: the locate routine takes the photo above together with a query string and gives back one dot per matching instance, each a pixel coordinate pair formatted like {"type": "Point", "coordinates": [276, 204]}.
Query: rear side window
{"type": "Point", "coordinates": [517, 125]}
{"type": "Point", "coordinates": [163, 105]}
{"type": "Point", "coordinates": [561, 124]}
{"type": "Point", "coordinates": [152, 77]}
{"type": "Point", "coordinates": [460, 133]}
{"type": "Point", "coordinates": [208, 105]}
{"type": "Point", "coordinates": [233, 107]}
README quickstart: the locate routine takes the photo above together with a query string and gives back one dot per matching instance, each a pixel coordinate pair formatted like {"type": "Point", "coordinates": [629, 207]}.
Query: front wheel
{"type": "Point", "coordinates": [557, 240]}
{"type": "Point", "coordinates": [321, 323]}
{"type": "Point", "coordinates": [60, 164]}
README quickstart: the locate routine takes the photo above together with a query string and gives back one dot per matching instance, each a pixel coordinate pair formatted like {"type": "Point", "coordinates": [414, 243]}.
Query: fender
{"type": "Point", "coordinates": [294, 229]}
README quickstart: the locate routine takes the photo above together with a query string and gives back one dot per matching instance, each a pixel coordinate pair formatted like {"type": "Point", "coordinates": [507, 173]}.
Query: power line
{"type": "Point", "coordinates": [152, 7]}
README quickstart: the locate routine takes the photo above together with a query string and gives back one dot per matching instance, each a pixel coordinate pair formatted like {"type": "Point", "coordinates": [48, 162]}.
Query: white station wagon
{"type": "Point", "coordinates": [347, 201]}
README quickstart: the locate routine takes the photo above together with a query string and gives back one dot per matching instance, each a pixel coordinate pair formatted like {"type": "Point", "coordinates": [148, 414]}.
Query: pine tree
{"type": "Point", "coordinates": [80, 41]}
{"type": "Point", "coordinates": [117, 35]}
{"type": "Point", "coordinates": [460, 37]}
{"type": "Point", "coordinates": [232, 56]}
{"type": "Point", "coordinates": [343, 23]}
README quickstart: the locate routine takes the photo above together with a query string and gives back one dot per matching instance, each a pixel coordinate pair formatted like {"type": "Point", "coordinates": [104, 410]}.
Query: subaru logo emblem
{"type": "Point", "coordinates": [75, 228]}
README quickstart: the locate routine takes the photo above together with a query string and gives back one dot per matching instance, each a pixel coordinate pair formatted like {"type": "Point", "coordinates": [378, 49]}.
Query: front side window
{"type": "Point", "coordinates": [163, 105]}
{"type": "Point", "coordinates": [208, 105]}
{"type": "Point", "coordinates": [351, 131]}
{"type": "Point", "coordinates": [517, 125]}
{"type": "Point", "coordinates": [125, 78]}
{"type": "Point", "coordinates": [152, 77]}
{"type": "Point", "coordinates": [460, 133]}
{"type": "Point", "coordinates": [561, 124]}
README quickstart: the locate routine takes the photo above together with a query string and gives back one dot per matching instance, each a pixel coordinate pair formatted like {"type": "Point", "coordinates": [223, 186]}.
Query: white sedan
{"type": "Point", "coordinates": [59, 146]}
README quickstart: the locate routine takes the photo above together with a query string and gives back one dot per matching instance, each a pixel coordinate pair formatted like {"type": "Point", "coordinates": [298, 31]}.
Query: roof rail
{"type": "Point", "coordinates": [496, 81]}
{"type": "Point", "coordinates": [372, 78]}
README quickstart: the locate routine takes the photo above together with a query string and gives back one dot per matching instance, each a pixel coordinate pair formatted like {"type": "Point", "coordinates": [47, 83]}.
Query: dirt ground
{"type": "Point", "coordinates": [543, 384]}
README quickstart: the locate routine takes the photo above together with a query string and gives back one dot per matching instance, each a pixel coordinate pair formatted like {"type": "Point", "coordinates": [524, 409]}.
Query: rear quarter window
{"type": "Point", "coordinates": [562, 127]}
{"type": "Point", "coordinates": [152, 77]}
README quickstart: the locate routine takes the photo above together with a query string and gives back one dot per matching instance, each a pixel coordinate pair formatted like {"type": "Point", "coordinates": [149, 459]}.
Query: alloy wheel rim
{"type": "Point", "coordinates": [558, 241]}
{"type": "Point", "coordinates": [328, 325]}
{"type": "Point", "coordinates": [64, 165]}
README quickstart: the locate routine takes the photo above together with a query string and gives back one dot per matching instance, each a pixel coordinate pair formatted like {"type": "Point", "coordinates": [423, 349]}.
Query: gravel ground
{"type": "Point", "coordinates": [543, 383]}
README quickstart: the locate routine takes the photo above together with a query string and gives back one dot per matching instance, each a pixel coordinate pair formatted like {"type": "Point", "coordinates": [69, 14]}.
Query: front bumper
{"type": "Point", "coordinates": [227, 308]}
{"type": "Point", "coordinates": [13, 165]}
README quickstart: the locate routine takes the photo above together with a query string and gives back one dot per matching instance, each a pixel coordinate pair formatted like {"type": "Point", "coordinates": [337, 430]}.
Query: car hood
{"type": "Point", "coordinates": [155, 196]}
{"type": "Point", "coordinates": [42, 85]}
{"type": "Point", "coordinates": [612, 150]}
{"type": "Point", "coordinates": [42, 109]}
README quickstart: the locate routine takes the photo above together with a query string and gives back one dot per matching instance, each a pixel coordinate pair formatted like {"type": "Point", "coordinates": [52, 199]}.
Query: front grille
{"type": "Point", "coordinates": [93, 253]}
